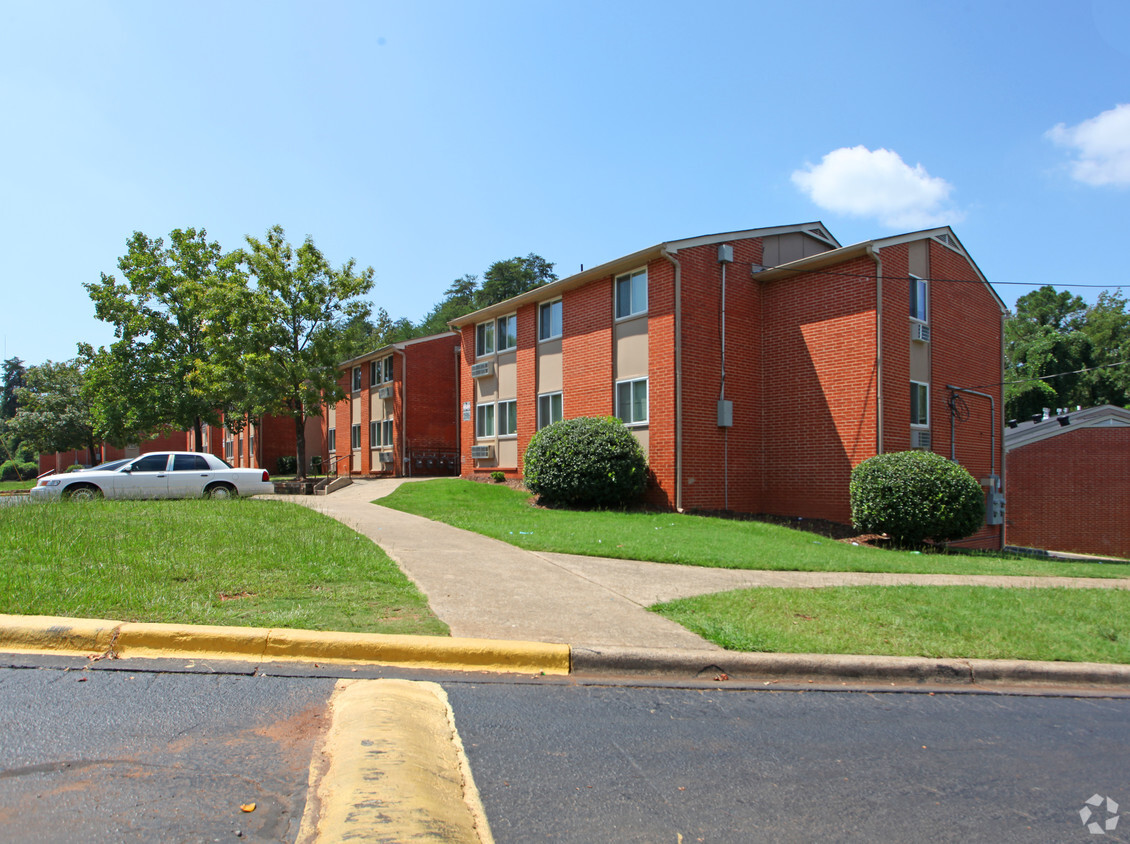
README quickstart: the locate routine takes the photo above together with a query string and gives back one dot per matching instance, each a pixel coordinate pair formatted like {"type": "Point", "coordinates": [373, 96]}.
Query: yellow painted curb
{"type": "Point", "coordinates": [45, 634]}
{"type": "Point", "coordinates": [392, 768]}
{"type": "Point", "coordinates": [48, 634]}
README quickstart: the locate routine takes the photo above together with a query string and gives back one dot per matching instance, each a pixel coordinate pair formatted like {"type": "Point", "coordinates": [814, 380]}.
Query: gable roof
{"type": "Point", "coordinates": [1104, 416]}
{"type": "Point", "coordinates": [554, 289]}
{"type": "Point", "coordinates": [383, 350]}
{"type": "Point", "coordinates": [943, 235]}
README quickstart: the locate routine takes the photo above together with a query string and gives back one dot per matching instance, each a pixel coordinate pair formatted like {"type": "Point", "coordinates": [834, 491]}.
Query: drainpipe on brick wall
{"type": "Point", "coordinates": [404, 461]}
{"type": "Point", "coordinates": [458, 409]}
{"type": "Point", "coordinates": [874, 255]}
{"type": "Point", "coordinates": [678, 379]}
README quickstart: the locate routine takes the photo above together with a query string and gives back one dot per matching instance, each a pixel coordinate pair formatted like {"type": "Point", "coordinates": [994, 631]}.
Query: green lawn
{"type": "Point", "coordinates": [1076, 625]}
{"type": "Point", "coordinates": [507, 514]}
{"type": "Point", "coordinates": [7, 485]}
{"type": "Point", "coordinates": [247, 563]}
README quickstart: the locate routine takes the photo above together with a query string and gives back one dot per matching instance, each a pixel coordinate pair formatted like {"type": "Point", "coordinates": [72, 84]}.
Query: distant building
{"type": "Point", "coordinates": [1069, 482]}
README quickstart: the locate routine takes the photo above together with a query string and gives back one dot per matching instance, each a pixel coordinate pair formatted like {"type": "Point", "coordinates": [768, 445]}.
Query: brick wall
{"type": "Point", "coordinates": [431, 384]}
{"type": "Point", "coordinates": [1071, 492]}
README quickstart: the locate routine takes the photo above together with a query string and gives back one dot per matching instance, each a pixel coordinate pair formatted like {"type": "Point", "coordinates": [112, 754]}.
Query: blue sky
{"type": "Point", "coordinates": [429, 139]}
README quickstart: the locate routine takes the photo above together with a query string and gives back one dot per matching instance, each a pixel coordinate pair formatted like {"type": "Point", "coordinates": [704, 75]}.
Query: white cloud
{"type": "Point", "coordinates": [866, 183]}
{"type": "Point", "coordinates": [1102, 145]}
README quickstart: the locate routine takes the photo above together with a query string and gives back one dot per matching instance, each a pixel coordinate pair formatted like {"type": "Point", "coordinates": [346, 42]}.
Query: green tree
{"type": "Point", "coordinates": [504, 279]}
{"type": "Point", "coordinates": [1107, 324]}
{"type": "Point", "coordinates": [14, 377]}
{"type": "Point", "coordinates": [150, 378]}
{"type": "Point", "coordinates": [54, 411]}
{"type": "Point", "coordinates": [292, 324]}
{"type": "Point", "coordinates": [1046, 348]}
{"type": "Point", "coordinates": [458, 299]}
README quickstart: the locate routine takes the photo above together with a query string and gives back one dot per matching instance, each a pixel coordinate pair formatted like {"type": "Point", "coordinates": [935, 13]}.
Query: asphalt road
{"type": "Point", "coordinates": [150, 755]}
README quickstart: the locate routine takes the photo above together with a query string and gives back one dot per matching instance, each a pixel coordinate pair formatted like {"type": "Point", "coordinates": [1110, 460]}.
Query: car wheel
{"type": "Point", "coordinates": [85, 492]}
{"type": "Point", "coordinates": [220, 491]}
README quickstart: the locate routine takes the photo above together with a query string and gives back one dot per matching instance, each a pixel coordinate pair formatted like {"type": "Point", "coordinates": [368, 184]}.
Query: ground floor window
{"type": "Point", "coordinates": [631, 401]}
{"type": "Point", "coordinates": [508, 418]}
{"type": "Point", "coordinates": [355, 435]}
{"type": "Point", "coordinates": [331, 438]}
{"type": "Point", "coordinates": [484, 420]}
{"type": "Point", "coordinates": [919, 403]}
{"type": "Point", "coordinates": [549, 409]}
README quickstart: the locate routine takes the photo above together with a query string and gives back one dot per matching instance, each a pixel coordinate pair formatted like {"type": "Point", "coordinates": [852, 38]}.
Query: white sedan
{"type": "Point", "coordinates": [160, 474]}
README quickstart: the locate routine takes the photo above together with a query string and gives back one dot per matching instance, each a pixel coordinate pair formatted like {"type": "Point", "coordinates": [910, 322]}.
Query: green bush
{"type": "Point", "coordinates": [74, 467]}
{"type": "Point", "coordinates": [287, 465]}
{"type": "Point", "coordinates": [498, 477]}
{"type": "Point", "coordinates": [915, 495]}
{"type": "Point", "coordinates": [15, 470]}
{"type": "Point", "coordinates": [586, 462]}
{"type": "Point", "coordinates": [316, 464]}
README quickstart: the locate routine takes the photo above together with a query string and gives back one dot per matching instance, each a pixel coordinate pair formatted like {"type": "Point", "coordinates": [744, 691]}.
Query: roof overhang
{"type": "Point", "coordinates": [384, 350]}
{"type": "Point", "coordinates": [1104, 416]}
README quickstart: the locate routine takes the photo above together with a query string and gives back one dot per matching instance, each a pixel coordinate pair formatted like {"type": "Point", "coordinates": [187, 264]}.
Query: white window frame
{"type": "Point", "coordinates": [920, 296]}
{"type": "Point", "coordinates": [484, 421]}
{"type": "Point", "coordinates": [331, 441]}
{"type": "Point", "coordinates": [374, 433]}
{"type": "Point", "coordinates": [630, 418]}
{"type": "Point", "coordinates": [502, 334]}
{"type": "Point", "coordinates": [507, 412]}
{"type": "Point", "coordinates": [917, 388]}
{"type": "Point", "coordinates": [547, 409]}
{"type": "Point", "coordinates": [545, 307]}
{"type": "Point", "coordinates": [356, 378]}
{"type": "Point", "coordinates": [636, 300]}
{"type": "Point", "coordinates": [374, 373]}
{"type": "Point", "coordinates": [484, 331]}
{"type": "Point", "coordinates": [355, 436]}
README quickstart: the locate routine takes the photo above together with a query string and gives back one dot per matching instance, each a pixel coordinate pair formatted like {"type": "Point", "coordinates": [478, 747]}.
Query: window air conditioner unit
{"type": "Point", "coordinates": [919, 439]}
{"type": "Point", "coordinates": [920, 333]}
{"type": "Point", "coordinates": [482, 452]}
{"type": "Point", "coordinates": [482, 369]}
{"type": "Point", "coordinates": [385, 457]}
{"type": "Point", "coordinates": [384, 392]}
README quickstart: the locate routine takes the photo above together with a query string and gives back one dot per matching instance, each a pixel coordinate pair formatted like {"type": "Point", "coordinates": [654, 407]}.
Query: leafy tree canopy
{"type": "Point", "coordinates": [54, 412]}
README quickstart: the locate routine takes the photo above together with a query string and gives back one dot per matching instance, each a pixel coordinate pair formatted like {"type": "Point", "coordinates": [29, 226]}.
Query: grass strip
{"type": "Point", "coordinates": [507, 514]}
{"type": "Point", "coordinates": [1070, 625]}
{"type": "Point", "coordinates": [6, 486]}
{"type": "Point", "coordinates": [248, 563]}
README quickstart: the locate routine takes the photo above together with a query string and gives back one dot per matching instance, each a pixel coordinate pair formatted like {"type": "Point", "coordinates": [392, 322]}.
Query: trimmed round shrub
{"type": "Point", "coordinates": [15, 470]}
{"type": "Point", "coordinates": [586, 462]}
{"type": "Point", "coordinates": [915, 495]}
{"type": "Point", "coordinates": [287, 464]}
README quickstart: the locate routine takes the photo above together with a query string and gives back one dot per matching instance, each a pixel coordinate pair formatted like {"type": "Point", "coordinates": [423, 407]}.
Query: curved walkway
{"type": "Point", "coordinates": [485, 588]}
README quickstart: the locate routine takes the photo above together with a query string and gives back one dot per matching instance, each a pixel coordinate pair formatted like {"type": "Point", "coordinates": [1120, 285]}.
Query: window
{"type": "Point", "coordinates": [374, 372]}
{"type": "Point", "coordinates": [484, 339]}
{"type": "Point", "coordinates": [549, 409]}
{"type": "Point", "coordinates": [484, 420]}
{"type": "Point", "coordinates": [919, 403]}
{"type": "Point", "coordinates": [918, 298]}
{"type": "Point", "coordinates": [508, 418]}
{"type": "Point", "coordinates": [331, 443]}
{"type": "Point", "coordinates": [508, 332]}
{"type": "Point", "coordinates": [374, 434]}
{"type": "Point", "coordinates": [386, 438]}
{"type": "Point", "coordinates": [631, 294]}
{"type": "Point", "coordinates": [388, 368]}
{"type": "Point", "coordinates": [380, 433]}
{"type": "Point", "coordinates": [356, 378]}
{"type": "Point", "coordinates": [549, 320]}
{"type": "Point", "coordinates": [631, 401]}
{"type": "Point", "coordinates": [190, 463]}
{"type": "Point", "coordinates": [150, 463]}
{"type": "Point", "coordinates": [355, 435]}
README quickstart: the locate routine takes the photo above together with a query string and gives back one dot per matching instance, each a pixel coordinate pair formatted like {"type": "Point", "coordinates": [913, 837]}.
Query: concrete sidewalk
{"type": "Point", "coordinates": [484, 588]}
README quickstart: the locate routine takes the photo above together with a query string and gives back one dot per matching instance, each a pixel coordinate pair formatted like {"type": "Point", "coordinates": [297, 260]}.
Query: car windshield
{"type": "Point", "coordinates": [109, 466]}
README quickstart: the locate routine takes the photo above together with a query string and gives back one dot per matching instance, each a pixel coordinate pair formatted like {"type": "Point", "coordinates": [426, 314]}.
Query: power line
{"type": "Point", "coordinates": [887, 277]}
{"type": "Point", "coordinates": [1054, 375]}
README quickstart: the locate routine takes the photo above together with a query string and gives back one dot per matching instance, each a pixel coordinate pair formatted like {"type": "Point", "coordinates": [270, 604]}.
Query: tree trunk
{"type": "Point", "coordinates": [90, 450]}
{"type": "Point", "coordinates": [198, 431]}
{"type": "Point", "coordinates": [300, 444]}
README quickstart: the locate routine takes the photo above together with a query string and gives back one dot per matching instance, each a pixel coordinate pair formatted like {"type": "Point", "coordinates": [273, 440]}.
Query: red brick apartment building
{"type": "Point", "coordinates": [399, 417]}
{"type": "Point", "coordinates": [259, 445]}
{"type": "Point", "coordinates": [756, 367]}
{"type": "Point", "coordinates": [1069, 482]}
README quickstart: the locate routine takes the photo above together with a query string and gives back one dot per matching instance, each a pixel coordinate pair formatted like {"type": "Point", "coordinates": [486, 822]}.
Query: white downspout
{"type": "Point", "coordinates": [874, 255]}
{"type": "Point", "coordinates": [678, 379]}
{"type": "Point", "coordinates": [403, 415]}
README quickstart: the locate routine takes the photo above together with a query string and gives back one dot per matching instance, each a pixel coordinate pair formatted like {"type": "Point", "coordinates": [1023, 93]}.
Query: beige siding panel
{"type": "Point", "coordinates": [507, 365]}
{"type": "Point", "coordinates": [486, 389]}
{"type": "Point", "coordinates": [355, 409]}
{"type": "Point", "coordinates": [920, 362]}
{"type": "Point", "coordinates": [630, 348]}
{"type": "Point", "coordinates": [507, 452]}
{"type": "Point", "coordinates": [550, 378]}
{"type": "Point", "coordinates": [641, 434]}
{"type": "Point", "coordinates": [918, 258]}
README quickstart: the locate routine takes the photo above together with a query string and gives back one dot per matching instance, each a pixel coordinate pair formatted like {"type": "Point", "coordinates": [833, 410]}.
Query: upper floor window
{"type": "Point", "coordinates": [484, 339]}
{"type": "Point", "coordinates": [374, 372]}
{"type": "Point", "coordinates": [919, 403]}
{"type": "Point", "coordinates": [356, 378]}
{"type": "Point", "coordinates": [549, 320]}
{"type": "Point", "coordinates": [631, 294]}
{"type": "Point", "coordinates": [918, 298]}
{"type": "Point", "coordinates": [631, 401]}
{"type": "Point", "coordinates": [508, 332]}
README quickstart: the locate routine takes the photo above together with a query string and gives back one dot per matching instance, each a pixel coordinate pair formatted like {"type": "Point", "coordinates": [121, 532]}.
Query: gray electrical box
{"type": "Point", "coordinates": [725, 413]}
{"type": "Point", "coordinates": [726, 254]}
{"type": "Point", "coordinates": [994, 507]}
